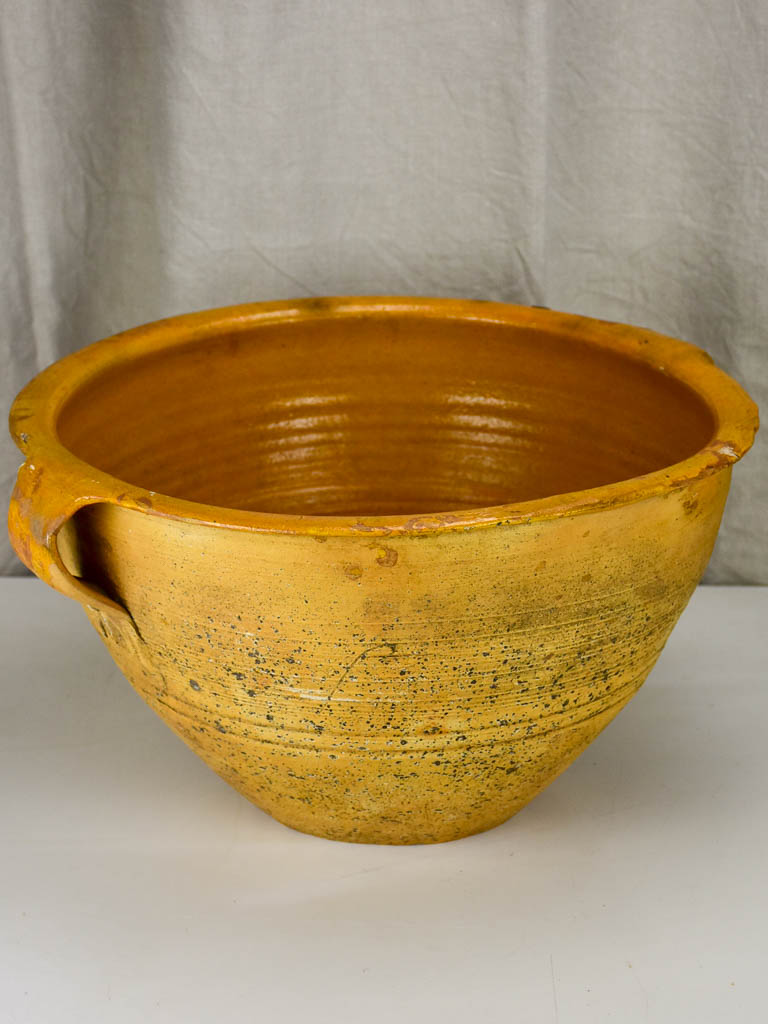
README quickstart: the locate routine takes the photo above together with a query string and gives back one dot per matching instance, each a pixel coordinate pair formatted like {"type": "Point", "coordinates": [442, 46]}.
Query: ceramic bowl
{"type": "Point", "coordinates": [387, 565]}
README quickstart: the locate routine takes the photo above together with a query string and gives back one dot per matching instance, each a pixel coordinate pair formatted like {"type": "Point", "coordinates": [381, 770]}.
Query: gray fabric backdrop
{"type": "Point", "coordinates": [605, 157]}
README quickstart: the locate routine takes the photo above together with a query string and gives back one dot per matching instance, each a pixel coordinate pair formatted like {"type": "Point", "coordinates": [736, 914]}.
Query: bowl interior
{"type": "Point", "coordinates": [383, 414]}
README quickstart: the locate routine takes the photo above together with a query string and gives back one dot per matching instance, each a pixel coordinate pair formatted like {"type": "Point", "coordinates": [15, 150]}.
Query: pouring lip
{"type": "Point", "coordinates": [34, 414]}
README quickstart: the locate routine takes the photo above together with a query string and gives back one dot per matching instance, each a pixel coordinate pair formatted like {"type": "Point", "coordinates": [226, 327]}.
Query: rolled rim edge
{"type": "Point", "coordinates": [33, 415]}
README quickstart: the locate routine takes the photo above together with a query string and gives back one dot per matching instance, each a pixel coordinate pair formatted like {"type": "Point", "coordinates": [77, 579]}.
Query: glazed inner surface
{"type": "Point", "coordinates": [381, 415]}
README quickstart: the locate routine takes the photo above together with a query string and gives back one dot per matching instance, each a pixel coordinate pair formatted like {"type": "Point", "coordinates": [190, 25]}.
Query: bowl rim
{"type": "Point", "coordinates": [34, 413]}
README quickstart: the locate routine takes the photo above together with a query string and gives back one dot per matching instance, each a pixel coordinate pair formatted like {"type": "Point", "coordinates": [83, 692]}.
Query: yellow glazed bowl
{"type": "Point", "coordinates": [387, 565]}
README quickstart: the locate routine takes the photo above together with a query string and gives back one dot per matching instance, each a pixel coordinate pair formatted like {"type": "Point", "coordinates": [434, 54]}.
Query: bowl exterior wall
{"type": "Point", "coordinates": [399, 689]}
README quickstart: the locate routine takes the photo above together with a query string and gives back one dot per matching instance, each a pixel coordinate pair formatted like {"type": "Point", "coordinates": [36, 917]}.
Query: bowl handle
{"type": "Point", "coordinates": [43, 500]}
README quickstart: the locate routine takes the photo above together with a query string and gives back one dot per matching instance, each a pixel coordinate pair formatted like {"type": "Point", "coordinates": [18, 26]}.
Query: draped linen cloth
{"type": "Point", "coordinates": [604, 157]}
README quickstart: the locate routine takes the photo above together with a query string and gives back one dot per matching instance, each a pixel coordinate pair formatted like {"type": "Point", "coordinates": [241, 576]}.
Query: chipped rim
{"type": "Point", "coordinates": [34, 414]}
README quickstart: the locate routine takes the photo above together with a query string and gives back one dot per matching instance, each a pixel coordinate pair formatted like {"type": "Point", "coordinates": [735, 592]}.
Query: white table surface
{"type": "Point", "coordinates": [136, 886]}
